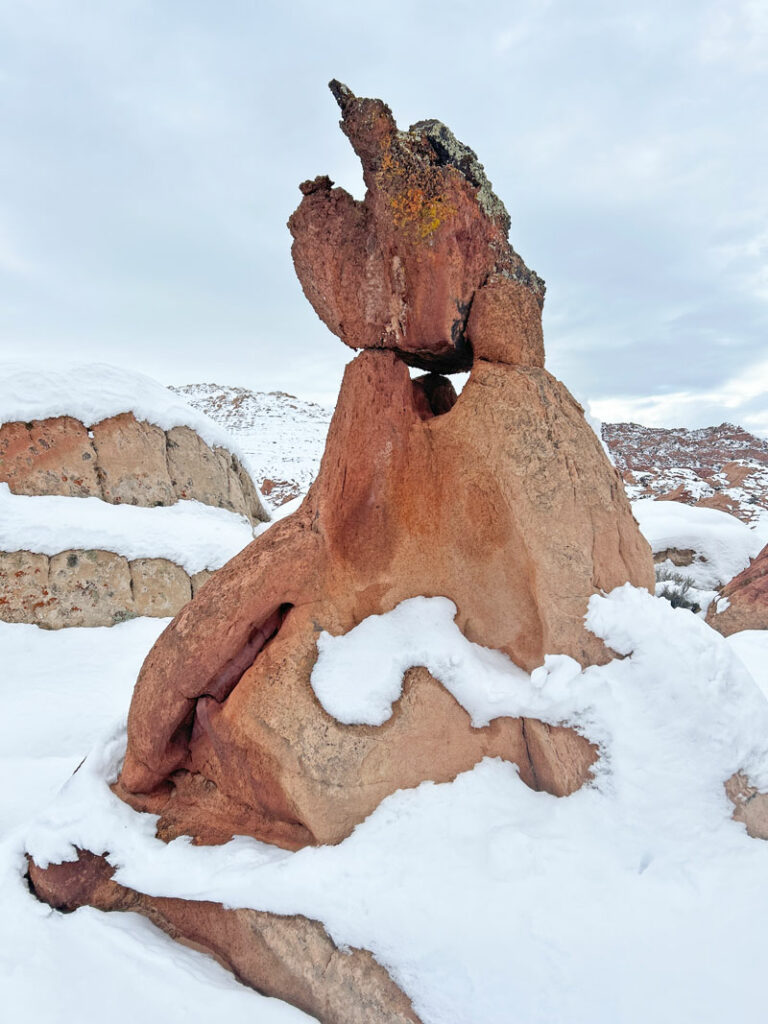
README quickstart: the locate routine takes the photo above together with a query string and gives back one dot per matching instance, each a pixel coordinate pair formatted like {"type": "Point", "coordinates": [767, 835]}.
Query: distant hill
{"type": "Point", "coordinates": [721, 467]}
{"type": "Point", "coordinates": [282, 436]}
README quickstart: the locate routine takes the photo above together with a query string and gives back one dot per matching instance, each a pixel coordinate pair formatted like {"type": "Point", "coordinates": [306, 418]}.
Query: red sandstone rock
{"type": "Point", "coordinates": [53, 456]}
{"type": "Point", "coordinates": [291, 958]}
{"type": "Point", "coordinates": [402, 268]}
{"type": "Point", "coordinates": [747, 596]}
{"type": "Point", "coordinates": [501, 499]}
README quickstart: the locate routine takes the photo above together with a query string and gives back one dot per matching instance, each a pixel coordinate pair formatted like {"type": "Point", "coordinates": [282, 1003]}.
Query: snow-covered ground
{"type": "Point", "coordinates": [61, 690]}
{"type": "Point", "coordinates": [635, 899]}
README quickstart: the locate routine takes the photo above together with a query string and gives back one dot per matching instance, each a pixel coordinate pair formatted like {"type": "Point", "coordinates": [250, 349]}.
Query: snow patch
{"type": "Point", "coordinates": [722, 544]}
{"type": "Point", "coordinates": [638, 898]}
{"type": "Point", "coordinates": [193, 535]}
{"type": "Point", "coordinates": [92, 392]}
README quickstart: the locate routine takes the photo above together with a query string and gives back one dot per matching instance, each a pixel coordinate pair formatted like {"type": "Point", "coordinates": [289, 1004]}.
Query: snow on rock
{"type": "Point", "coordinates": [193, 535]}
{"type": "Point", "coordinates": [91, 392]}
{"type": "Point", "coordinates": [358, 676]}
{"type": "Point", "coordinates": [722, 544]}
{"type": "Point", "coordinates": [60, 691]}
{"type": "Point", "coordinates": [638, 898]}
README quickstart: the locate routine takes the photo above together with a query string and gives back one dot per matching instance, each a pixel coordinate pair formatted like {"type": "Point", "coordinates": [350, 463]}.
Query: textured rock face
{"type": "Point", "coordinates": [52, 456]}
{"type": "Point", "coordinates": [291, 958]}
{"type": "Point", "coordinates": [747, 597]}
{"type": "Point", "coordinates": [501, 499]}
{"type": "Point", "coordinates": [123, 460]}
{"type": "Point", "coordinates": [90, 588]}
{"type": "Point", "coordinates": [402, 268]}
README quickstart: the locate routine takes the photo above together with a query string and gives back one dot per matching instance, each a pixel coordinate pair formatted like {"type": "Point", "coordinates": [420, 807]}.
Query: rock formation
{"type": "Point", "coordinates": [501, 499]}
{"type": "Point", "coordinates": [120, 460]}
{"type": "Point", "coordinates": [91, 587]}
{"type": "Point", "coordinates": [123, 460]}
{"type": "Point", "coordinates": [743, 603]}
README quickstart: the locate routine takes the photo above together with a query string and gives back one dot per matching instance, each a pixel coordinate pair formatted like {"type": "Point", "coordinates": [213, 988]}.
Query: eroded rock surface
{"type": "Point", "coordinates": [743, 602]}
{"type": "Point", "coordinates": [123, 460]}
{"type": "Point", "coordinates": [90, 588]}
{"type": "Point", "coordinates": [501, 499]}
{"type": "Point", "coordinates": [291, 958]}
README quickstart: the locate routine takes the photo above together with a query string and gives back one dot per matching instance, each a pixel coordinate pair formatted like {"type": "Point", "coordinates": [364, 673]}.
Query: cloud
{"type": "Point", "coordinates": [152, 152]}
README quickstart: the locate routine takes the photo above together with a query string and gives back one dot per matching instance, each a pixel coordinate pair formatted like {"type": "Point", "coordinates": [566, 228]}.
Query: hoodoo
{"type": "Point", "coordinates": [501, 499]}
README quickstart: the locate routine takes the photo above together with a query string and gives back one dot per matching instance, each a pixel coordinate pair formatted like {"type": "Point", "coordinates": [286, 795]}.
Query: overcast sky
{"type": "Point", "coordinates": [150, 154]}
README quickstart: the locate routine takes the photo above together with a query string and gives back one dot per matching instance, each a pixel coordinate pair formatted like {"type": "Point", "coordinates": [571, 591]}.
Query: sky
{"type": "Point", "coordinates": [150, 156]}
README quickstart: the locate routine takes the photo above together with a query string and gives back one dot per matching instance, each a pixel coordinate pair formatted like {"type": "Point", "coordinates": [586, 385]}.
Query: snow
{"type": "Point", "coordinates": [91, 392]}
{"type": "Point", "coordinates": [751, 646]}
{"type": "Point", "coordinates": [636, 899]}
{"type": "Point", "coordinates": [282, 436]}
{"type": "Point", "coordinates": [358, 676]}
{"type": "Point", "coordinates": [194, 535]}
{"type": "Point", "coordinates": [60, 690]}
{"type": "Point", "coordinates": [723, 545]}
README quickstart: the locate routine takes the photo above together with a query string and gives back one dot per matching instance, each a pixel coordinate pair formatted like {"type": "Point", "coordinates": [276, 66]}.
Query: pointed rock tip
{"type": "Point", "coordinates": [341, 93]}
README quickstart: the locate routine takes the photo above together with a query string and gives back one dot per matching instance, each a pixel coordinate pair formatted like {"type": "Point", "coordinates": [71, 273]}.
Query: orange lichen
{"type": "Point", "coordinates": [413, 207]}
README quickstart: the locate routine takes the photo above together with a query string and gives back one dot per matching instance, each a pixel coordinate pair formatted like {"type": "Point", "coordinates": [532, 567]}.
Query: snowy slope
{"type": "Point", "coordinates": [637, 899]}
{"type": "Point", "coordinates": [283, 436]}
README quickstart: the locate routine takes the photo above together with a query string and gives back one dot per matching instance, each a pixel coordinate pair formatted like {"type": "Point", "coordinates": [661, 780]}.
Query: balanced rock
{"type": "Point", "coordinates": [743, 603]}
{"type": "Point", "coordinates": [501, 499]}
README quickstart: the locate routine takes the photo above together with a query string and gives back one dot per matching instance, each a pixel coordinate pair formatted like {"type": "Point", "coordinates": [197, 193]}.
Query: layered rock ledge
{"type": "Point", "coordinates": [123, 460]}
{"type": "Point", "coordinates": [91, 588]}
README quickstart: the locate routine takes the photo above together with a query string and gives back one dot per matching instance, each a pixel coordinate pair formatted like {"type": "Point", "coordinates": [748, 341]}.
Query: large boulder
{"type": "Point", "coordinates": [124, 460]}
{"type": "Point", "coordinates": [501, 499]}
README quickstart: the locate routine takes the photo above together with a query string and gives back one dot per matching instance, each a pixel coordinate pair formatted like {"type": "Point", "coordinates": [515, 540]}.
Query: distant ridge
{"type": "Point", "coordinates": [722, 467]}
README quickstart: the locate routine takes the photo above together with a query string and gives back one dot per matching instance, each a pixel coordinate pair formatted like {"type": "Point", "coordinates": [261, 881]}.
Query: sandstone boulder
{"type": "Point", "coordinates": [53, 456]}
{"type": "Point", "coordinates": [90, 588]}
{"type": "Point", "coordinates": [123, 460]}
{"type": "Point", "coordinates": [131, 462]}
{"type": "Point", "coordinates": [502, 500]}
{"type": "Point", "coordinates": [743, 602]}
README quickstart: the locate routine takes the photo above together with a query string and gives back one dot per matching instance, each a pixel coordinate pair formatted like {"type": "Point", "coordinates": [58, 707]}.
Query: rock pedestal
{"type": "Point", "coordinates": [501, 499]}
